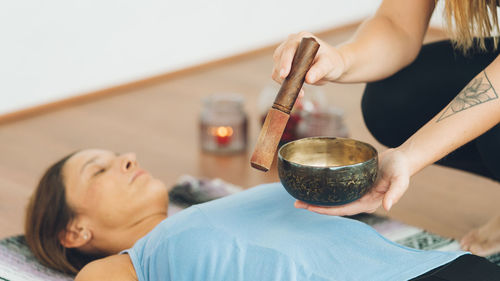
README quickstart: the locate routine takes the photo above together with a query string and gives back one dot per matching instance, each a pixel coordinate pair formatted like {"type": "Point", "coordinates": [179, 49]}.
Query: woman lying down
{"type": "Point", "coordinates": [100, 215]}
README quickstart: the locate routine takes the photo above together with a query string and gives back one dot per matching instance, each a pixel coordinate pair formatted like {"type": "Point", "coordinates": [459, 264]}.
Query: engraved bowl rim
{"type": "Point", "coordinates": [375, 157]}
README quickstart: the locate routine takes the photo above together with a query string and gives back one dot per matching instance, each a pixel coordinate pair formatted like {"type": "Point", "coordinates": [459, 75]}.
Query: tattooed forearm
{"type": "Point", "coordinates": [478, 91]}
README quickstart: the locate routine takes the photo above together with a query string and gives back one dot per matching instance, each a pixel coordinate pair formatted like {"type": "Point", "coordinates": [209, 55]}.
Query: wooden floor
{"type": "Point", "coordinates": [159, 123]}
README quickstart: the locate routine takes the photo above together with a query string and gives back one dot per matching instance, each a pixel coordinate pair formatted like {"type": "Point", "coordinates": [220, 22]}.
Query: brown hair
{"type": "Point", "coordinates": [47, 215]}
{"type": "Point", "coordinates": [466, 20]}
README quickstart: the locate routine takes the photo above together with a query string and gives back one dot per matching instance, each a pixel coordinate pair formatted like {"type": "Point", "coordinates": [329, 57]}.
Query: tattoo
{"type": "Point", "coordinates": [478, 91]}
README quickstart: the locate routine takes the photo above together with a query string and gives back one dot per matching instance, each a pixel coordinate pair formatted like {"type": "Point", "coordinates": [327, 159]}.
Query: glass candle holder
{"type": "Point", "coordinates": [313, 100]}
{"type": "Point", "coordinates": [327, 122]}
{"type": "Point", "coordinates": [223, 124]}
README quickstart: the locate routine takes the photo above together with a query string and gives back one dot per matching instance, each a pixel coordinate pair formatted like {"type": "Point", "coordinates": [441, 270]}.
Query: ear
{"type": "Point", "coordinates": [75, 235]}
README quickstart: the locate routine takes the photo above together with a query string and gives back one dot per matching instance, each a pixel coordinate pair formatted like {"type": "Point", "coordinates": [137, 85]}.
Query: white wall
{"type": "Point", "coordinates": [54, 49]}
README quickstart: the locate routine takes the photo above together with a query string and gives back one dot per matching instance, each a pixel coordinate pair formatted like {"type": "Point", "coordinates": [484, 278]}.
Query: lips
{"type": "Point", "coordinates": [137, 174]}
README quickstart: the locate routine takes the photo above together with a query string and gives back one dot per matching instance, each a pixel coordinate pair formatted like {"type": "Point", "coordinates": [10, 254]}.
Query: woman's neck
{"type": "Point", "coordinates": [114, 241]}
{"type": "Point", "coordinates": [145, 226]}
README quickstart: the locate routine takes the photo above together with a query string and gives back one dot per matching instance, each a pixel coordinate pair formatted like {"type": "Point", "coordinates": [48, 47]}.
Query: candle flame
{"type": "Point", "coordinates": [224, 131]}
{"type": "Point", "coordinates": [221, 131]}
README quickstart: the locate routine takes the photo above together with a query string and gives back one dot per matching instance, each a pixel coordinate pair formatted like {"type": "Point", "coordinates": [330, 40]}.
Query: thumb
{"type": "Point", "coordinates": [319, 69]}
{"type": "Point", "coordinates": [396, 190]}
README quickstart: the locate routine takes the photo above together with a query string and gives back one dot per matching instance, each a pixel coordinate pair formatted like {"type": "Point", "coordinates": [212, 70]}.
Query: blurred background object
{"type": "Point", "coordinates": [223, 124]}
{"type": "Point", "coordinates": [327, 122]}
{"type": "Point", "coordinates": [311, 115]}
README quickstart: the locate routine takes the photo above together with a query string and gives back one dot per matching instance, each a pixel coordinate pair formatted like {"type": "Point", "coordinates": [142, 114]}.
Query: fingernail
{"type": "Point", "coordinates": [282, 73]}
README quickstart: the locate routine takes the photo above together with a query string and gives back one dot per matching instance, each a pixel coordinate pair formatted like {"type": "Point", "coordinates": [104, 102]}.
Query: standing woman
{"type": "Point", "coordinates": [433, 103]}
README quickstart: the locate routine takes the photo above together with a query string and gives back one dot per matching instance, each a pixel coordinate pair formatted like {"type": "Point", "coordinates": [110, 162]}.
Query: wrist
{"type": "Point", "coordinates": [347, 56]}
{"type": "Point", "coordinates": [413, 156]}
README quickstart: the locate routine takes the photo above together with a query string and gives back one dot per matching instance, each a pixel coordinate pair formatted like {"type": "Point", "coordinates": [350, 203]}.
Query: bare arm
{"type": "Point", "coordinates": [471, 113]}
{"type": "Point", "coordinates": [382, 45]}
{"type": "Point", "coordinates": [388, 41]}
{"type": "Point", "coordinates": [475, 110]}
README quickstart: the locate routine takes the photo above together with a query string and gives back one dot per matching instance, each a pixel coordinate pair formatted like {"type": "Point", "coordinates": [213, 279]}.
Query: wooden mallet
{"type": "Point", "coordinates": [278, 115]}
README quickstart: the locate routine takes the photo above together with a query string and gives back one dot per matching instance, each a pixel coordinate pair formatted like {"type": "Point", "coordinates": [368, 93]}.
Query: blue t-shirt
{"type": "Point", "coordinates": [259, 235]}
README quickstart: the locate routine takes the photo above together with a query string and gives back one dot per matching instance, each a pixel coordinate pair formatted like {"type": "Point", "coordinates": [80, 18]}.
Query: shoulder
{"type": "Point", "coordinates": [116, 267]}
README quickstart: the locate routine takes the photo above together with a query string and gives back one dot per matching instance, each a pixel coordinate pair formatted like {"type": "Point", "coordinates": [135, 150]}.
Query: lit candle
{"type": "Point", "coordinates": [222, 134]}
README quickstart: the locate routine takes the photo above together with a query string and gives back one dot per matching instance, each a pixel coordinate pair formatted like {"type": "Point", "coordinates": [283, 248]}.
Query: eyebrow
{"type": "Point", "coordinates": [93, 159]}
{"type": "Point", "coordinates": [88, 162]}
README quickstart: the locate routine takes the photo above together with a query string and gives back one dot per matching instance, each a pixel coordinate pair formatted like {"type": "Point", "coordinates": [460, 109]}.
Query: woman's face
{"type": "Point", "coordinates": [111, 190]}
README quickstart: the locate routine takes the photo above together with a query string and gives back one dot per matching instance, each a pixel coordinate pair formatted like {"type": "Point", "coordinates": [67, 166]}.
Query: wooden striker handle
{"type": "Point", "coordinates": [290, 88]}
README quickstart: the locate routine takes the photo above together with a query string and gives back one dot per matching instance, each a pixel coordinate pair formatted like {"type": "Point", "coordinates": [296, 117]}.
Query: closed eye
{"type": "Point", "coordinates": [100, 171]}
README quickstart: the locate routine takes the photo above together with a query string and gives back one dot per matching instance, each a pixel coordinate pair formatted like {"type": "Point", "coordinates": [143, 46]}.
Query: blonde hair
{"type": "Point", "coordinates": [466, 20]}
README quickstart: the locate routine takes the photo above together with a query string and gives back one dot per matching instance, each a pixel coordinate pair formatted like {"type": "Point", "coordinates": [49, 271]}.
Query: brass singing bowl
{"type": "Point", "coordinates": [327, 171]}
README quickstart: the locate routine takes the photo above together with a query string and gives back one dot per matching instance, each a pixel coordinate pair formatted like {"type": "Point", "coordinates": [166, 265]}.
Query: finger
{"type": "Point", "coordinates": [285, 62]}
{"type": "Point", "coordinates": [466, 241]}
{"type": "Point", "coordinates": [320, 68]}
{"type": "Point", "coordinates": [276, 76]}
{"type": "Point", "coordinates": [283, 55]}
{"type": "Point", "coordinates": [381, 185]}
{"type": "Point", "coordinates": [397, 188]}
{"type": "Point", "coordinates": [464, 244]}
{"type": "Point", "coordinates": [276, 63]}
{"type": "Point", "coordinates": [300, 205]}
{"type": "Point", "coordinates": [350, 209]}
{"type": "Point", "coordinates": [277, 52]}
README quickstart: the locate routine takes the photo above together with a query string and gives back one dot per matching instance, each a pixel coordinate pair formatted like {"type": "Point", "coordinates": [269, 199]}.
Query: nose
{"type": "Point", "coordinates": [129, 162]}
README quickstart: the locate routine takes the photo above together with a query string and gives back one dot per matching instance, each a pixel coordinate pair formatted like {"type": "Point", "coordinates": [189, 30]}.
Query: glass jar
{"type": "Point", "coordinates": [309, 103]}
{"type": "Point", "coordinates": [327, 122]}
{"type": "Point", "coordinates": [223, 124]}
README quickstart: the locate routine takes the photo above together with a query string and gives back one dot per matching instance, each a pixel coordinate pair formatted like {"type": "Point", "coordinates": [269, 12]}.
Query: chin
{"type": "Point", "coordinates": [158, 184]}
{"type": "Point", "coordinates": [153, 200]}
{"type": "Point", "coordinates": [158, 190]}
